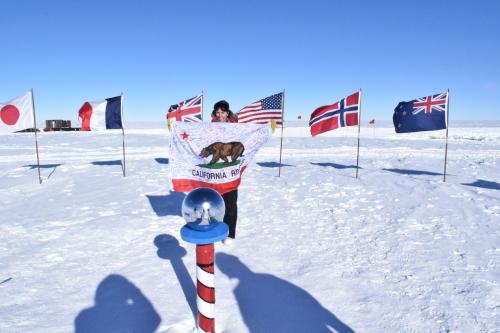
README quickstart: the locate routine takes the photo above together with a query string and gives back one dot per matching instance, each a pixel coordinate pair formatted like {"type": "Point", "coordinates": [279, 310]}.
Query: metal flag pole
{"type": "Point", "coordinates": [282, 128]}
{"type": "Point", "coordinates": [447, 126]}
{"type": "Point", "coordinates": [36, 135]}
{"type": "Point", "coordinates": [359, 132]}
{"type": "Point", "coordinates": [202, 105]}
{"type": "Point", "coordinates": [123, 133]}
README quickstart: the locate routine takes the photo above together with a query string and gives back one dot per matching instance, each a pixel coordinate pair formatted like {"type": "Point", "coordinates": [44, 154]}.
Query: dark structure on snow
{"type": "Point", "coordinates": [59, 125]}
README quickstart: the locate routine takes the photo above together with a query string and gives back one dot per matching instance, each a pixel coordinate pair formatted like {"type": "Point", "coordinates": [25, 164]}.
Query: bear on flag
{"type": "Point", "coordinates": [212, 155]}
{"type": "Point", "coordinates": [17, 114]}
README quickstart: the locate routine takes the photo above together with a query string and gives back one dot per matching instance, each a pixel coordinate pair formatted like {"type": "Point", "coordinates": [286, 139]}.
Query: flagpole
{"type": "Point", "coordinates": [359, 133]}
{"type": "Point", "coordinates": [447, 126]}
{"type": "Point", "coordinates": [123, 133]}
{"type": "Point", "coordinates": [202, 105]}
{"type": "Point", "coordinates": [282, 127]}
{"type": "Point", "coordinates": [36, 135]}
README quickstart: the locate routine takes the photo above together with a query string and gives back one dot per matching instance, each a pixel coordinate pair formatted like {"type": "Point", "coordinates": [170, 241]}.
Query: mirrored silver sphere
{"type": "Point", "coordinates": [202, 207]}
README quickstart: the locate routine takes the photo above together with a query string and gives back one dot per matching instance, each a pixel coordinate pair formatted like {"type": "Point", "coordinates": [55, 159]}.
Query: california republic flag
{"type": "Point", "coordinates": [212, 155]}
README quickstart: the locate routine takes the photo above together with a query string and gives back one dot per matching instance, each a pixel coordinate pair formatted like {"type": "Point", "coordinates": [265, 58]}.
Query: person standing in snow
{"type": "Point", "coordinates": [222, 114]}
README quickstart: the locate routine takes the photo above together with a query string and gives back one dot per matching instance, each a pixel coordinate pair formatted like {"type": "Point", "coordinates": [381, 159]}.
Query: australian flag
{"type": "Point", "coordinates": [422, 114]}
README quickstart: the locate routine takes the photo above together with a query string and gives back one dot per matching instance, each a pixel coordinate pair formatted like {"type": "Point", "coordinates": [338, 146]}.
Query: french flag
{"type": "Point", "coordinates": [102, 115]}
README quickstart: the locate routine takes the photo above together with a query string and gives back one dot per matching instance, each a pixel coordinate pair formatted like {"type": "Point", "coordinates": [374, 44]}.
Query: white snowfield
{"type": "Point", "coordinates": [317, 250]}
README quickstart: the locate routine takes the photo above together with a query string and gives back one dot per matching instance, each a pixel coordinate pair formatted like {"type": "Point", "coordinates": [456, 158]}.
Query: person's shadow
{"type": "Point", "coordinates": [270, 304]}
{"type": "Point", "coordinates": [119, 307]}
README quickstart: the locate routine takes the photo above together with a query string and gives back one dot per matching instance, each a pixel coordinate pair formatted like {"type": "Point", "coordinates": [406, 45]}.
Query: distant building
{"type": "Point", "coordinates": [59, 125]}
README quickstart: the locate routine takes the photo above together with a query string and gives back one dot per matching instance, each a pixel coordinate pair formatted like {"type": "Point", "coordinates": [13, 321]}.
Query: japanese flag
{"type": "Point", "coordinates": [17, 114]}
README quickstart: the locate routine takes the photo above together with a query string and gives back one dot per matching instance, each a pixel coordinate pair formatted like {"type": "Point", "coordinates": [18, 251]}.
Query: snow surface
{"type": "Point", "coordinates": [396, 250]}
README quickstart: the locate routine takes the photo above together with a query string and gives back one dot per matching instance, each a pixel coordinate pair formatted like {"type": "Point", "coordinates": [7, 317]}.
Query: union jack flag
{"type": "Point", "coordinates": [430, 103]}
{"type": "Point", "coordinates": [339, 114]}
{"type": "Point", "coordinates": [189, 110]}
{"type": "Point", "coordinates": [263, 111]}
{"type": "Point", "coordinates": [421, 114]}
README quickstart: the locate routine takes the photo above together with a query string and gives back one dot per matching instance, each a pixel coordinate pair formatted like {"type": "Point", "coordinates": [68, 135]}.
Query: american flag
{"type": "Point", "coordinates": [263, 111]}
{"type": "Point", "coordinates": [189, 110]}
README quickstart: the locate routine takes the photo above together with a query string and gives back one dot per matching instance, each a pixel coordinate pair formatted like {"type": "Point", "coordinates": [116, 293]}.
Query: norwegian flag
{"type": "Point", "coordinates": [422, 114]}
{"type": "Point", "coordinates": [189, 110]}
{"type": "Point", "coordinates": [339, 114]}
{"type": "Point", "coordinates": [263, 111]}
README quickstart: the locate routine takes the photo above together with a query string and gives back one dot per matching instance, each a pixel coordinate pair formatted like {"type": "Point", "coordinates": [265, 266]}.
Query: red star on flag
{"type": "Point", "coordinates": [185, 135]}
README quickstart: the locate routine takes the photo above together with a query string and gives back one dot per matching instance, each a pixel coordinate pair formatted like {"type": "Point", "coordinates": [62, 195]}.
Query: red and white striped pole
{"type": "Point", "coordinates": [205, 287]}
{"type": "Point", "coordinates": [203, 209]}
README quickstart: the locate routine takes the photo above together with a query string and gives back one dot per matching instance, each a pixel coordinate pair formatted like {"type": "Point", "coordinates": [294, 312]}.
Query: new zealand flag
{"type": "Point", "coordinates": [422, 114]}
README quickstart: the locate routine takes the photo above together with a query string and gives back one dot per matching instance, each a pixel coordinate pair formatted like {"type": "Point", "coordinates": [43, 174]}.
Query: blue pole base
{"type": "Point", "coordinates": [213, 233]}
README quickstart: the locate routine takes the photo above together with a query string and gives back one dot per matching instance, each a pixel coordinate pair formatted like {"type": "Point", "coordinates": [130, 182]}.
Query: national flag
{"type": "Point", "coordinates": [339, 114]}
{"type": "Point", "coordinates": [263, 111]}
{"type": "Point", "coordinates": [421, 114]}
{"type": "Point", "coordinates": [372, 122]}
{"type": "Point", "coordinates": [17, 114]}
{"type": "Point", "coordinates": [101, 115]}
{"type": "Point", "coordinates": [189, 110]}
{"type": "Point", "coordinates": [212, 155]}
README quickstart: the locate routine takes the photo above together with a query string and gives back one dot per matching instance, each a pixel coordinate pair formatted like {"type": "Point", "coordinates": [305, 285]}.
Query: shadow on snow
{"type": "Point", "coordinates": [43, 166]}
{"type": "Point", "coordinates": [114, 162]}
{"type": "Point", "coordinates": [270, 304]}
{"type": "Point", "coordinates": [335, 165]}
{"type": "Point", "coordinates": [413, 172]}
{"type": "Point", "coordinates": [119, 307]}
{"type": "Point", "coordinates": [169, 204]}
{"type": "Point", "coordinates": [273, 165]}
{"type": "Point", "coordinates": [162, 160]}
{"type": "Point", "coordinates": [484, 184]}
{"type": "Point", "coordinates": [169, 249]}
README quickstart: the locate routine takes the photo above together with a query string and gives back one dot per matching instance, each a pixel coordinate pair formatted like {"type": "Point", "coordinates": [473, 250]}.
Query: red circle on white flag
{"type": "Point", "coordinates": [9, 114]}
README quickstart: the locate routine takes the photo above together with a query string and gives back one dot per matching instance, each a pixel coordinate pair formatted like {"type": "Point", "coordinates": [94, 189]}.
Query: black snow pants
{"type": "Point", "coordinates": [231, 216]}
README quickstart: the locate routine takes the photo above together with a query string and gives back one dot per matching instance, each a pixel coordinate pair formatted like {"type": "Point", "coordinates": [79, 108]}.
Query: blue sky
{"type": "Point", "coordinates": [159, 52]}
